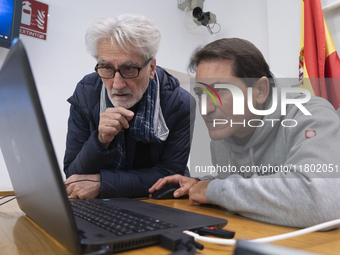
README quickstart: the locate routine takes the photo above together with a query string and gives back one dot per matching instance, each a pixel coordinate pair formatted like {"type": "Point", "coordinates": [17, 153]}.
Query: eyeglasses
{"type": "Point", "coordinates": [128, 72]}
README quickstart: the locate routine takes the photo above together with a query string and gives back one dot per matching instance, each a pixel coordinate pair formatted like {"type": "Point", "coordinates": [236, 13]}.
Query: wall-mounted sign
{"type": "Point", "coordinates": [34, 19]}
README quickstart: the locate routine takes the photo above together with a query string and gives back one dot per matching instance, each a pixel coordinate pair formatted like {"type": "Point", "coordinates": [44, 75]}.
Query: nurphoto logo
{"type": "Point", "coordinates": [239, 103]}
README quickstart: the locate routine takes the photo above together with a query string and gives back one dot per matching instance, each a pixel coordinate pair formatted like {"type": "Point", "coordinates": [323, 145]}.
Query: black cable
{"type": "Point", "coordinates": [179, 243]}
{"type": "Point", "coordinates": [185, 249]}
{"type": "Point", "coordinates": [6, 196]}
{"type": "Point", "coordinates": [88, 180]}
{"type": "Point", "coordinates": [13, 197]}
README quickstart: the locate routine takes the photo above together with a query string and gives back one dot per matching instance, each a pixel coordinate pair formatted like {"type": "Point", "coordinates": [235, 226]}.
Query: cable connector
{"type": "Point", "coordinates": [175, 241]}
{"type": "Point", "coordinates": [216, 232]}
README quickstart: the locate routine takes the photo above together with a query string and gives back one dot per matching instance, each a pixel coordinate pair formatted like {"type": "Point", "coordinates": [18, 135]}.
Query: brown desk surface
{"type": "Point", "coordinates": [19, 235]}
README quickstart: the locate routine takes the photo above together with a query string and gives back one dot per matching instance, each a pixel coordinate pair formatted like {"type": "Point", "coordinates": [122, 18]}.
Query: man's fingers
{"type": "Point", "coordinates": [68, 187]}
{"type": "Point", "coordinates": [68, 191]}
{"type": "Point", "coordinates": [129, 117]}
{"type": "Point", "coordinates": [111, 123]}
{"type": "Point", "coordinates": [106, 134]}
{"type": "Point", "coordinates": [181, 192]}
{"type": "Point", "coordinates": [74, 196]}
{"type": "Point", "coordinates": [158, 185]}
{"type": "Point", "coordinates": [114, 120]}
{"type": "Point", "coordinates": [83, 186]}
{"type": "Point", "coordinates": [126, 114]}
{"type": "Point", "coordinates": [172, 179]}
{"type": "Point", "coordinates": [123, 122]}
{"type": "Point", "coordinates": [195, 202]}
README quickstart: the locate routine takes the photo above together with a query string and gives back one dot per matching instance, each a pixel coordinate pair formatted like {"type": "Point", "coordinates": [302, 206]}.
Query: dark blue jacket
{"type": "Point", "coordinates": [146, 162]}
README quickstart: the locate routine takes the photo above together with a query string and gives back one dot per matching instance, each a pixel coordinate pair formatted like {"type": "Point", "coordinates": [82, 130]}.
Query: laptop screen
{"type": "Point", "coordinates": [28, 151]}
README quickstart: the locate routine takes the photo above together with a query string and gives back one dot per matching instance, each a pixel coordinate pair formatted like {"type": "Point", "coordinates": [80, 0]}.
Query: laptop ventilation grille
{"type": "Point", "coordinates": [137, 243]}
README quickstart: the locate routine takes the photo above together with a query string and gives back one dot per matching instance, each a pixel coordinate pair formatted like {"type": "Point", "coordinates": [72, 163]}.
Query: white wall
{"type": "Point", "coordinates": [61, 61]}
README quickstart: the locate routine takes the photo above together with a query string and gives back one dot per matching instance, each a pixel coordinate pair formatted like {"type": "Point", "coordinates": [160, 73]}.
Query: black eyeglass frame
{"type": "Point", "coordinates": [119, 70]}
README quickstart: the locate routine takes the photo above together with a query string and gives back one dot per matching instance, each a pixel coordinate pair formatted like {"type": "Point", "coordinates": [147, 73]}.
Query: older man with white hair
{"type": "Point", "coordinates": [129, 122]}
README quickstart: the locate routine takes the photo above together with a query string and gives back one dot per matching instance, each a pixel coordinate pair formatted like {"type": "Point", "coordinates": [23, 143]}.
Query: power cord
{"type": "Point", "coordinates": [88, 180]}
{"type": "Point", "coordinates": [210, 27]}
{"type": "Point", "coordinates": [13, 197]}
{"type": "Point", "coordinates": [322, 226]}
{"type": "Point", "coordinates": [185, 249]}
{"type": "Point", "coordinates": [180, 243]}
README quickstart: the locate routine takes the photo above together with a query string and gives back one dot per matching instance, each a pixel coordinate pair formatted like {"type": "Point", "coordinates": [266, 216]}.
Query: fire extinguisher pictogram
{"type": "Point", "coordinates": [26, 13]}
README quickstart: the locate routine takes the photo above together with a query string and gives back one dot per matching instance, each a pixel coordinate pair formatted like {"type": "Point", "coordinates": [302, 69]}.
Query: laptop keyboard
{"type": "Point", "coordinates": [116, 220]}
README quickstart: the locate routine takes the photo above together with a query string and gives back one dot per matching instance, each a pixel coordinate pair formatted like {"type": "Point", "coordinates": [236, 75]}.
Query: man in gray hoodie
{"type": "Point", "coordinates": [276, 155]}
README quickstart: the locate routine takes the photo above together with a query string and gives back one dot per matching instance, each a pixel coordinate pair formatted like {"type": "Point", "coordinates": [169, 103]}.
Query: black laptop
{"type": "Point", "coordinates": [38, 185]}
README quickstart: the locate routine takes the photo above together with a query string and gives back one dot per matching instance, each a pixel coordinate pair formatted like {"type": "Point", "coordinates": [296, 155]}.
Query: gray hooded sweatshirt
{"type": "Point", "coordinates": [284, 175]}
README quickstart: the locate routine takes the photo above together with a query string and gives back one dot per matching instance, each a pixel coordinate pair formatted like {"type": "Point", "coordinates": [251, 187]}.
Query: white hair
{"type": "Point", "coordinates": [132, 33]}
